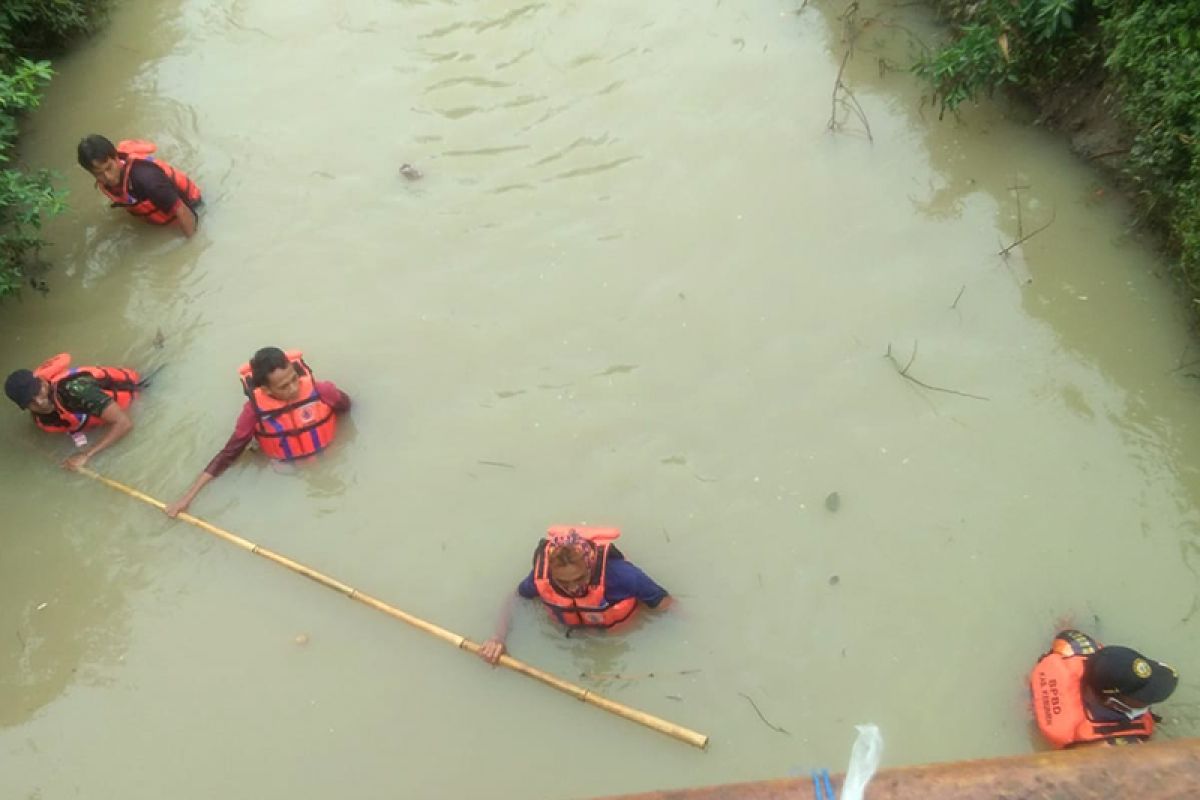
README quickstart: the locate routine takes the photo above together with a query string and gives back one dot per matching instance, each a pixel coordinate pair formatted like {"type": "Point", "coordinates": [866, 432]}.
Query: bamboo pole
{"type": "Point", "coordinates": [578, 692]}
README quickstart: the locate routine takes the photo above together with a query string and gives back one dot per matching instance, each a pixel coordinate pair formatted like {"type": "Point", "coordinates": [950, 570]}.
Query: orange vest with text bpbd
{"type": "Point", "coordinates": [1058, 707]}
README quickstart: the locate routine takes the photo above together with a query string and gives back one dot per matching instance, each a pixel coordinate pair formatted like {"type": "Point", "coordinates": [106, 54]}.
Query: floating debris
{"type": "Point", "coordinates": [833, 501]}
{"type": "Point", "coordinates": [410, 172]}
{"type": "Point", "coordinates": [617, 369]}
{"type": "Point", "coordinates": [834, 580]}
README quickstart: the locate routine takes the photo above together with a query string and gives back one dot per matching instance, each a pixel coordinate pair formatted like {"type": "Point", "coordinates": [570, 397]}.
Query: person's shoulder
{"type": "Point", "coordinates": [623, 566]}
{"type": "Point", "coordinates": [144, 168]}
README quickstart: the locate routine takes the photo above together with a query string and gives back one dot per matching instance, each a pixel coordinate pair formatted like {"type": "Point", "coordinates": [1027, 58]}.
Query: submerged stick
{"type": "Point", "coordinates": [904, 374]}
{"type": "Point", "coordinates": [848, 101]}
{"type": "Point", "coordinates": [578, 692]}
{"type": "Point", "coordinates": [766, 721]}
{"type": "Point", "coordinates": [958, 297]}
{"type": "Point", "coordinates": [1006, 250]}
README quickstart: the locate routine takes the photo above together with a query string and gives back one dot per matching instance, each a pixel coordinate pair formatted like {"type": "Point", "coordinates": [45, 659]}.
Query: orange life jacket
{"type": "Point", "coordinates": [590, 610]}
{"type": "Point", "coordinates": [1062, 717]}
{"type": "Point", "coordinates": [130, 151]}
{"type": "Point", "coordinates": [287, 431]}
{"type": "Point", "coordinates": [117, 382]}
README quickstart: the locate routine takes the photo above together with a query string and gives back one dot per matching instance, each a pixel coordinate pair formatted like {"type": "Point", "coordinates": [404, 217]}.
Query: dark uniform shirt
{"type": "Point", "coordinates": [80, 395]}
{"type": "Point", "coordinates": [148, 182]}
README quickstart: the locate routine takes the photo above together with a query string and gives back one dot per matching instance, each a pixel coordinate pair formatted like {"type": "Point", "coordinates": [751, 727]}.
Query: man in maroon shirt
{"type": "Point", "coordinates": [287, 411]}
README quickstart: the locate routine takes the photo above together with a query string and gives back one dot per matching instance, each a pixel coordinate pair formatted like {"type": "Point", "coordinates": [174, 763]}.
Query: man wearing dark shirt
{"type": "Point", "coordinates": [147, 188]}
{"type": "Point", "coordinates": [81, 395]}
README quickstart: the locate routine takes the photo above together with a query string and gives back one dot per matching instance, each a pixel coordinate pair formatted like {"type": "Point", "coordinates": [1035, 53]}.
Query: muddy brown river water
{"type": "Point", "coordinates": [640, 284]}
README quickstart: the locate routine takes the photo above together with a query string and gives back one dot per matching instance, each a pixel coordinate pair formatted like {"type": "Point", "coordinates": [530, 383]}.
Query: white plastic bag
{"type": "Point", "coordinates": [864, 760]}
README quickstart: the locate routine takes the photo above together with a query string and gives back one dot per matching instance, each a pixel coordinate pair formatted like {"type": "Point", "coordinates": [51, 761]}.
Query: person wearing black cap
{"type": "Point", "coordinates": [1086, 693]}
{"type": "Point", "coordinates": [66, 399]}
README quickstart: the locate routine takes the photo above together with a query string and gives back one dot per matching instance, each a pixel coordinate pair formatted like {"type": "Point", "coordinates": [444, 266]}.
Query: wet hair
{"type": "Point", "coordinates": [567, 556]}
{"type": "Point", "coordinates": [93, 148]}
{"type": "Point", "coordinates": [266, 361]}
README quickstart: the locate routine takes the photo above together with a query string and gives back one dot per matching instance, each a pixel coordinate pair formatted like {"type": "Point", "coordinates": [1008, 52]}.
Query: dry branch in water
{"type": "Point", "coordinates": [904, 374]}
{"type": "Point", "coordinates": [954, 305]}
{"type": "Point", "coordinates": [766, 721]}
{"type": "Point", "coordinates": [845, 99]}
{"type": "Point", "coordinates": [1006, 250]}
{"type": "Point", "coordinates": [842, 96]}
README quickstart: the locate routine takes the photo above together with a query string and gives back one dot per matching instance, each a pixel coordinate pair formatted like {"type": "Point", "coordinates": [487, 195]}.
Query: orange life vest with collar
{"type": "Point", "coordinates": [287, 431]}
{"type": "Point", "coordinates": [591, 610]}
{"type": "Point", "coordinates": [1058, 706]}
{"type": "Point", "coordinates": [130, 151]}
{"type": "Point", "coordinates": [117, 382]}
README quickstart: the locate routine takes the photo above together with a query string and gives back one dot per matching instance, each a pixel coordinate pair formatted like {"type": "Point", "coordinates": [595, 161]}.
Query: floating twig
{"type": "Point", "coordinates": [844, 97]}
{"type": "Point", "coordinates": [904, 374]}
{"type": "Point", "coordinates": [1006, 250]}
{"type": "Point", "coordinates": [766, 721]}
{"type": "Point", "coordinates": [1120, 152]}
{"type": "Point", "coordinates": [958, 297]}
{"type": "Point", "coordinates": [1016, 189]}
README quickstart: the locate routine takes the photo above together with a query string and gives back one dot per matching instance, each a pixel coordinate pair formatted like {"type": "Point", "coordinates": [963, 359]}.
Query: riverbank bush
{"type": "Point", "coordinates": [29, 31]}
{"type": "Point", "coordinates": [1149, 54]}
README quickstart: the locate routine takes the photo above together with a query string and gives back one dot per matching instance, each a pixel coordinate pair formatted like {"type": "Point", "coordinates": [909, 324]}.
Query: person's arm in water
{"type": "Point", "coordinates": [243, 433]}
{"type": "Point", "coordinates": [493, 648]}
{"type": "Point", "coordinates": [83, 395]}
{"type": "Point", "coordinates": [119, 424]}
{"type": "Point", "coordinates": [186, 219]}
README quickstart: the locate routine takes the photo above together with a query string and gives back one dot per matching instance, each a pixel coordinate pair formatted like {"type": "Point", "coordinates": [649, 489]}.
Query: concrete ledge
{"type": "Point", "coordinates": [1158, 771]}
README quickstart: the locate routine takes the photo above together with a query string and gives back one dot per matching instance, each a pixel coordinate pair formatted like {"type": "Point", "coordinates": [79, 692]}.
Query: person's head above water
{"type": "Point", "coordinates": [1128, 681]}
{"type": "Point", "coordinates": [271, 370]}
{"type": "Point", "coordinates": [571, 559]}
{"type": "Point", "coordinates": [28, 391]}
{"type": "Point", "coordinates": [99, 156]}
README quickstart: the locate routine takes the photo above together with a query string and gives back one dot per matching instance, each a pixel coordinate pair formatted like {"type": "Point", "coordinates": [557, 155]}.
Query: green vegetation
{"type": "Point", "coordinates": [1150, 51]}
{"type": "Point", "coordinates": [29, 29]}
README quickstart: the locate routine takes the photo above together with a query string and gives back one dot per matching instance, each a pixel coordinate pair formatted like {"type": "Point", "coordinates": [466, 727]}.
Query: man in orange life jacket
{"type": "Point", "coordinates": [1085, 693]}
{"type": "Point", "coordinates": [289, 413]}
{"type": "Point", "coordinates": [583, 580]}
{"type": "Point", "coordinates": [66, 399]}
{"type": "Point", "coordinates": [129, 175]}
